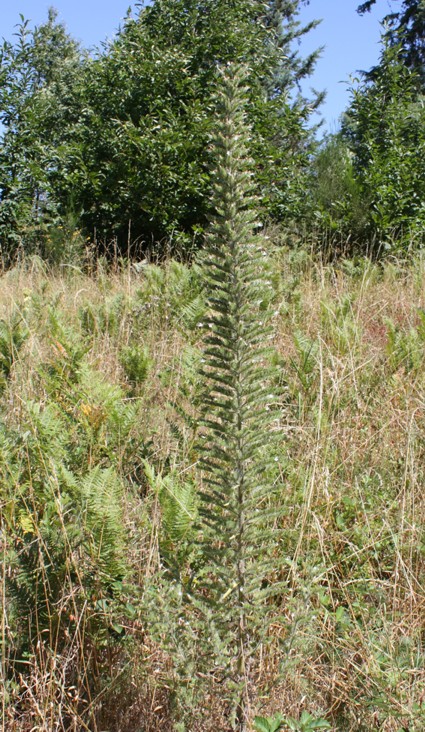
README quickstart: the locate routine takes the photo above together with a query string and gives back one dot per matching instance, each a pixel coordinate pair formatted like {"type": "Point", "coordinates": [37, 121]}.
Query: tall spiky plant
{"type": "Point", "coordinates": [237, 529]}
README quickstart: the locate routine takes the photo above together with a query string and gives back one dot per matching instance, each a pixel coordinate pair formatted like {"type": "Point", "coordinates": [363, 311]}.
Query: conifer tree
{"type": "Point", "coordinates": [282, 17]}
{"type": "Point", "coordinates": [405, 26]}
{"type": "Point", "coordinates": [236, 414]}
{"type": "Point", "coordinates": [38, 102]}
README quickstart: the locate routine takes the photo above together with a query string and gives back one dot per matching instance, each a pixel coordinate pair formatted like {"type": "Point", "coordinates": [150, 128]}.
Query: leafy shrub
{"type": "Point", "coordinates": [384, 127]}
{"type": "Point", "coordinates": [338, 204]}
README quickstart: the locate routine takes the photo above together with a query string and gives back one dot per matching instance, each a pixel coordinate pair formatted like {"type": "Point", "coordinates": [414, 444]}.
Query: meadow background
{"type": "Point", "coordinates": [185, 260]}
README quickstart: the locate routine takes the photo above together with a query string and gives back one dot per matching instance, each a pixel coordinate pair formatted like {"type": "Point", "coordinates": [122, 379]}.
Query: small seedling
{"type": "Point", "coordinates": [278, 723]}
{"type": "Point", "coordinates": [269, 724]}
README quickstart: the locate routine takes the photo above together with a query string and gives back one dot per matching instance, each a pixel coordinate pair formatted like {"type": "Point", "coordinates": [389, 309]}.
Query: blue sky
{"type": "Point", "coordinates": [351, 42]}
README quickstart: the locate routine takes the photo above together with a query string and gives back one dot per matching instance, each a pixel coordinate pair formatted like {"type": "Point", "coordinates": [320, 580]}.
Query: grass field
{"type": "Point", "coordinates": [98, 385]}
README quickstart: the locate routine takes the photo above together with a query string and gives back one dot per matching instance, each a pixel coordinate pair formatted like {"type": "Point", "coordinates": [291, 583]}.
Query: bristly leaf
{"type": "Point", "coordinates": [236, 517]}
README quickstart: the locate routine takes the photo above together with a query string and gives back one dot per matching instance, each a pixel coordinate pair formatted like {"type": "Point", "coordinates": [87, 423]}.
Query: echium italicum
{"type": "Point", "coordinates": [236, 426]}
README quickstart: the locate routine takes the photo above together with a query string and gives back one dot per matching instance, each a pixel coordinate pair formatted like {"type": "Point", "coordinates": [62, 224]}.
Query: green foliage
{"type": "Point", "coordinates": [406, 347]}
{"type": "Point", "coordinates": [269, 724]}
{"type": "Point", "coordinates": [118, 146]}
{"type": "Point", "coordinates": [101, 504]}
{"type": "Point", "coordinates": [237, 535]}
{"type": "Point", "coordinates": [306, 723]}
{"type": "Point", "coordinates": [136, 363]}
{"type": "Point", "coordinates": [305, 367]}
{"type": "Point", "coordinates": [340, 325]}
{"type": "Point", "coordinates": [108, 575]}
{"type": "Point", "coordinates": [178, 502]}
{"type": "Point", "coordinates": [172, 294]}
{"type": "Point", "coordinates": [368, 180]}
{"type": "Point", "coordinates": [62, 488]}
{"type": "Point", "coordinates": [385, 127]}
{"type": "Point", "coordinates": [37, 102]}
{"type": "Point", "coordinates": [107, 317]}
{"type": "Point", "coordinates": [13, 335]}
{"type": "Point", "coordinates": [66, 527]}
{"type": "Point", "coordinates": [338, 205]}
{"type": "Point", "coordinates": [178, 47]}
{"type": "Point", "coordinates": [406, 26]}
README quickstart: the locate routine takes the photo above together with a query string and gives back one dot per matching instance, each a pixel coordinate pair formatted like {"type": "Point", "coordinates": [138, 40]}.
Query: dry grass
{"type": "Point", "coordinates": [349, 637]}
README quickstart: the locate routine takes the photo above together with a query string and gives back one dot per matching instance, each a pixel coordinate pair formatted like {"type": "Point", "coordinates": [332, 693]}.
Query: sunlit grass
{"type": "Point", "coordinates": [349, 339]}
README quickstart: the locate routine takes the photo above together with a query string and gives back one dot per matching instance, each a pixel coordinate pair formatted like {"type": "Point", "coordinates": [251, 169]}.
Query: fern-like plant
{"type": "Point", "coordinates": [12, 336]}
{"type": "Point", "coordinates": [235, 425]}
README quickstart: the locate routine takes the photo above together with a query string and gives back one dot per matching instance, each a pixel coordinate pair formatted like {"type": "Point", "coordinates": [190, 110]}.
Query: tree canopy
{"type": "Point", "coordinates": [405, 26]}
{"type": "Point", "coordinates": [119, 142]}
